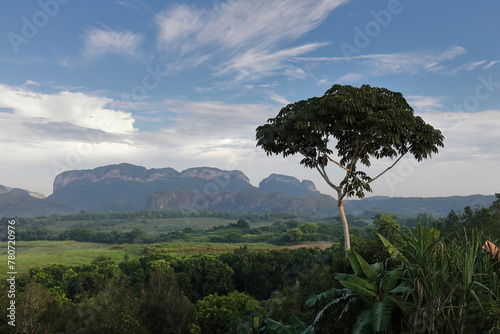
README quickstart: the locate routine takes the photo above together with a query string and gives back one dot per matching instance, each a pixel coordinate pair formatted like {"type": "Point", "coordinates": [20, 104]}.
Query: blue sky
{"type": "Point", "coordinates": [184, 84]}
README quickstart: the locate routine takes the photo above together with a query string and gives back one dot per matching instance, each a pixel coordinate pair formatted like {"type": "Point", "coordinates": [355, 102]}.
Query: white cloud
{"type": "Point", "coordinates": [280, 99]}
{"type": "Point", "coordinates": [469, 137]}
{"type": "Point", "coordinates": [31, 83]}
{"type": "Point", "coordinates": [43, 134]}
{"type": "Point", "coordinates": [468, 163]}
{"type": "Point", "coordinates": [98, 42]}
{"type": "Point", "coordinates": [64, 107]}
{"type": "Point", "coordinates": [350, 77]}
{"type": "Point", "coordinates": [422, 103]}
{"type": "Point", "coordinates": [241, 35]}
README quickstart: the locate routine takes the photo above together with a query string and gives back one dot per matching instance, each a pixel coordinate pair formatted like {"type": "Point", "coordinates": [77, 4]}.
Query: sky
{"type": "Point", "coordinates": [184, 84]}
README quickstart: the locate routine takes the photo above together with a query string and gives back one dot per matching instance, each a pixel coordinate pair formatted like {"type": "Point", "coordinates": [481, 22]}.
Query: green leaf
{"type": "Point", "coordinates": [300, 326]}
{"type": "Point", "coordinates": [381, 314]}
{"type": "Point", "coordinates": [405, 288]}
{"type": "Point", "coordinates": [346, 296]}
{"type": "Point", "coordinates": [360, 266]}
{"type": "Point", "coordinates": [393, 251]}
{"type": "Point", "coordinates": [363, 323]}
{"type": "Point", "coordinates": [353, 260]}
{"type": "Point", "coordinates": [332, 293]}
{"type": "Point", "coordinates": [359, 285]}
{"type": "Point", "coordinates": [390, 280]}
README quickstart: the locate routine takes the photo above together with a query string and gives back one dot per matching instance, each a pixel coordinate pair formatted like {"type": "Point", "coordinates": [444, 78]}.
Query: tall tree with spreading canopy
{"type": "Point", "coordinates": [363, 123]}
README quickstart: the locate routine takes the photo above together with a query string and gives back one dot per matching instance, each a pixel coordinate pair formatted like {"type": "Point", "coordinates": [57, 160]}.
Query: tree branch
{"type": "Point", "coordinates": [335, 162]}
{"type": "Point", "coordinates": [323, 174]}
{"type": "Point", "coordinates": [354, 160]}
{"type": "Point", "coordinates": [383, 172]}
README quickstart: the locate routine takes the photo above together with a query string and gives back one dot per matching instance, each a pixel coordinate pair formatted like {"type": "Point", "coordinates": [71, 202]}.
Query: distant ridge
{"type": "Point", "coordinates": [413, 206]}
{"type": "Point", "coordinates": [5, 189]}
{"type": "Point", "coordinates": [126, 187]}
{"type": "Point", "coordinates": [22, 205]}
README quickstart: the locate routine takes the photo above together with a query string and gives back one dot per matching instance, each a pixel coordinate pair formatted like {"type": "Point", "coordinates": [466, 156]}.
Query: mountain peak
{"type": "Point", "coordinates": [124, 171]}
{"type": "Point", "coordinates": [288, 185]}
{"type": "Point", "coordinates": [19, 191]}
{"type": "Point", "coordinates": [209, 173]}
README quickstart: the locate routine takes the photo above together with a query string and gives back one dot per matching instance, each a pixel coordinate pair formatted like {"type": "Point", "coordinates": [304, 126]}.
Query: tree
{"type": "Point", "coordinates": [165, 309]}
{"type": "Point", "coordinates": [365, 122]}
{"type": "Point", "coordinates": [207, 275]}
{"type": "Point", "coordinates": [242, 223]}
{"type": "Point", "coordinates": [215, 313]}
{"type": "Point", "coordinates": [389, 227]}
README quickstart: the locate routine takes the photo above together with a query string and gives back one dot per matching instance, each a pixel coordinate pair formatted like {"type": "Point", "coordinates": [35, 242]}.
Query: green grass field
{"type": "Point", "coordinates": [31, 254]}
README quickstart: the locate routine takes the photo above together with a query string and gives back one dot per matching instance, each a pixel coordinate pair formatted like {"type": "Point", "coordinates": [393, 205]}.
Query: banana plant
{"type": "Point", "coordinates": [381, 291]}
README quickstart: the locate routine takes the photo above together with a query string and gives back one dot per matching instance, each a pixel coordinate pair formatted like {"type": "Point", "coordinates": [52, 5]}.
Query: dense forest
{"type": "Point", "coordinates": [424, 276]}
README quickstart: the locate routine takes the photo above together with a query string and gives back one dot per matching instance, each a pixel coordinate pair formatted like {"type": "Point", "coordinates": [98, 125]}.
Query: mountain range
{"type": "Point", "coordinates": [126, 187]}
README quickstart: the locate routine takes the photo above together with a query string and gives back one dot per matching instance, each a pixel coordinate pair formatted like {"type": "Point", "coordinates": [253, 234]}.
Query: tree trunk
{"type": "Point", "coordinates": [345, 226]}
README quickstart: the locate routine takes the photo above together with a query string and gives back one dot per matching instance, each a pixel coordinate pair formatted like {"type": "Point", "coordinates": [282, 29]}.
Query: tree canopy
{"type": "Point", "coordinates": [362, 123]}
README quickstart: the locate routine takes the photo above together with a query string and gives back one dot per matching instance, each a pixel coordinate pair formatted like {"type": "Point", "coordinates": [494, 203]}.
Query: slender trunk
{"type": "Point", "coordinates": [345, 226]}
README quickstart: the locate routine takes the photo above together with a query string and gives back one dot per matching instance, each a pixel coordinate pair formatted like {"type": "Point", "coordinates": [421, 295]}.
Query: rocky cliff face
{"type": "Point", "coordinates": [128, 172]}
{"type": "Point", "coordinates": [248, 200]}
{"type": "Point", "coordinates": [124, 171]}
{"type": "Point", "coordinates": [126, 187]}
{"type": "Point", "coordinates": [209, 173]}
{"type": "Point", "coordinates": [289, 185]}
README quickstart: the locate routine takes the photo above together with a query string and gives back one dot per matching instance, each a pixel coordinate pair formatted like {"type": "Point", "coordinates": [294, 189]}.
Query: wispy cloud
{"type": "Point", "coordinates": [241, 36]}
{"type": "Point", "coordinates": [426, 103]}
{"type": "Point", "coordinates": [350, 77]}
{"type": "Point", "coordinates": [279, 98]}
{"type": "Point", "coordinates": [258, 63]}
{"type": "Point", "coordinates": [409, 63]}
{"type": "Point", "coordinates": [98, 42]}
{"type": "Point", "coordinates": [490, 64]}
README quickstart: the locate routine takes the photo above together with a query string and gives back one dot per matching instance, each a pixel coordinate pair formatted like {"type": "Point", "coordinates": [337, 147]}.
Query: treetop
{"type": "Point", "coordinates": [365, 122]}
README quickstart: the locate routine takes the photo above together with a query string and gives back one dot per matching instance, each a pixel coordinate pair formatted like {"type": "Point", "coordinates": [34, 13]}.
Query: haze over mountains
{"type": "Point", "coordinates": [127, 187]}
